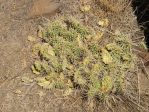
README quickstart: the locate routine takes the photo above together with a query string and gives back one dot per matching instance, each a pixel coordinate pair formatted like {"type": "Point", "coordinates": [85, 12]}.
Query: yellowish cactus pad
{"type": "Point", "coordinates": [70, 57]}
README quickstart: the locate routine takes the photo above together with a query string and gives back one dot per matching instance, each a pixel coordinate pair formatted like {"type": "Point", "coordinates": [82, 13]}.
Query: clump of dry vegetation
{"type": "Point", "coordinates": [71, 57]}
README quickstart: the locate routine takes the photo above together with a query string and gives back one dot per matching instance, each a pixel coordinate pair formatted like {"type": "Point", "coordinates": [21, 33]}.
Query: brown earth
{"type": "Point", "coordinates": [16, 23]}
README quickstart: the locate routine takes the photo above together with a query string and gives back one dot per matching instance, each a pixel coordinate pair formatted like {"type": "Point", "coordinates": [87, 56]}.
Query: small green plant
{"type": "Point", "coordinates": [68, 61]}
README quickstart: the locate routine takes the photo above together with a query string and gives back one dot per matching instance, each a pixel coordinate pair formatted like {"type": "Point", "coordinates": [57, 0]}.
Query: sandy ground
{"type": "Point", "coordinates": [16, 59]}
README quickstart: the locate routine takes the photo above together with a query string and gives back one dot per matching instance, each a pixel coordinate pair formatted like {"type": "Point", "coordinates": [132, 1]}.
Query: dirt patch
{"type": "Point", "coordinates": [16, 58]}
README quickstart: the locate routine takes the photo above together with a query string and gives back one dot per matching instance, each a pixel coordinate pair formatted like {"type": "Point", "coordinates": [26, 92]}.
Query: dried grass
{"type": "Point", "coordinates": [114, 5]}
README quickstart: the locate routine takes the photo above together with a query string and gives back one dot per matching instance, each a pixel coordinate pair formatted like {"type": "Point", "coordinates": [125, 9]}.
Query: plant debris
{"type": "Point", "coordinates": [31, 39]}
{"type": "Point", "coordinates": [103, 22]}
{"type": "Point", "coordinates": [85, 8]}
{"type": "Point", "coordinates": [27, 80]}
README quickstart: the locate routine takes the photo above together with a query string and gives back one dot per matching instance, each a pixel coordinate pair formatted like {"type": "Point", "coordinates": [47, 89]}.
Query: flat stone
{"type": "Point", "coordinates": [43, 7]}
